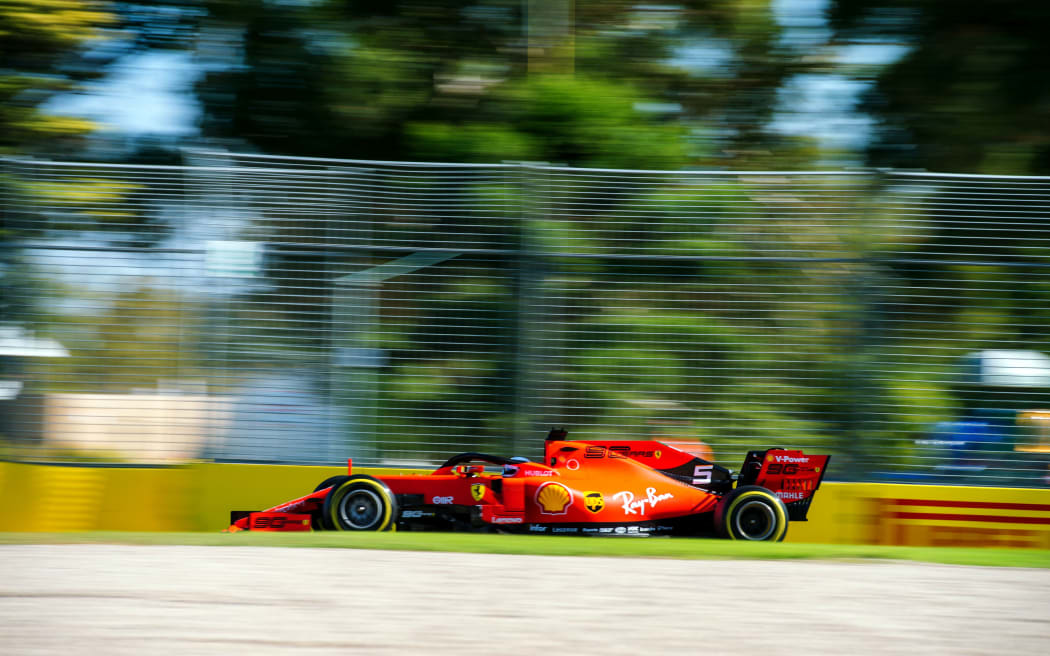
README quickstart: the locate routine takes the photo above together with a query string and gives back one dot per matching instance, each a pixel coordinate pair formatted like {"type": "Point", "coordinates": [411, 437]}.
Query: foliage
{"type": "Point", "coordinates": [971, 94]}
{"type": "Point", "coordinates": [556, 119]}
{"type": "Point", "coordinates": [454, 81]}
{"type": "Point", "coordinates": [135, 339]}
{"type": "Point", "coordinates": [38, 40]}
{"type": "Point", "coordinates": [844, 334]}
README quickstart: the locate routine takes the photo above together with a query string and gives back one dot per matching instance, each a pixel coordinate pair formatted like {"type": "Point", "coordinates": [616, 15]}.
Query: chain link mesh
{"type": "Point", "coordinates": [256, 308]}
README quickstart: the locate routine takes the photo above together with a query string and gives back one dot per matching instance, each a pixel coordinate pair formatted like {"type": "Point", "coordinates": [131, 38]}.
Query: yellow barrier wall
{"type": "Point", "coordinates": [221, 488]}
{"type": "Point", "coordinates": [199, 497]}
{"type": "Point", "coordinates": [837, 516]}
{"type": "Point", "coordinates": [927, 515]}
{"type": "Point", "coordinates": [55, 498]}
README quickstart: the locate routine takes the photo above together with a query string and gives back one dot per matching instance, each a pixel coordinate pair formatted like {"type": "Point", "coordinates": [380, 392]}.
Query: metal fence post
{"type": "Point", "coordinates": [525, 274]}
{"type": "Point", "coordinates": [861, 351]}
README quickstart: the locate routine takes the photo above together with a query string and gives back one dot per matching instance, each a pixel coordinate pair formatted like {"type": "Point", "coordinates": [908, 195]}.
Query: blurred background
{"type": "Point", "coordinates": [301, 231]}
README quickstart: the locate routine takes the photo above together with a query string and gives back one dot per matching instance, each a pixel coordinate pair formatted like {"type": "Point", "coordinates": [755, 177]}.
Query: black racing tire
{"type": "Point", "coordinates": [360, 503]}
{"type": "Point", "coordinates": [752, 513]}
{"type": "Point", "coordinates": [317, 521]}
{"type": "Point", "coordinates": [330, 481]}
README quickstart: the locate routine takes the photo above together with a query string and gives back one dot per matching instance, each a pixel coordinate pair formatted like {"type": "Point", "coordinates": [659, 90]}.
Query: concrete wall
{"type": "Point", "coordinates": [145, 428]}
{"type": "Point", "coordinates": [199, 497]}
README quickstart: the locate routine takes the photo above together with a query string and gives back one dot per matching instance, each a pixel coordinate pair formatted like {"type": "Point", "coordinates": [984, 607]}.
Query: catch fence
{"type": "Point", "coordinates": [254, 308]}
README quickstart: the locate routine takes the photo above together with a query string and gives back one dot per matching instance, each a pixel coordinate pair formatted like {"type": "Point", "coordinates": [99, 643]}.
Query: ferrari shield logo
{"type": "Point", "coordinates": [477, 490]}
{"type": "Point", "coordinates": [593, 501]}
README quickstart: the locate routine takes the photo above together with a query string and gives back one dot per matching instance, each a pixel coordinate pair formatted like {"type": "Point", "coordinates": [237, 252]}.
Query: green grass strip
{"type": "Point", "coordinates": [684, 548]}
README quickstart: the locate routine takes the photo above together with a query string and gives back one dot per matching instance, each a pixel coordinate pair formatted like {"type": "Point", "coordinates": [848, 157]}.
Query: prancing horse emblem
{"type": "Point", "coordinates": [477, 490]}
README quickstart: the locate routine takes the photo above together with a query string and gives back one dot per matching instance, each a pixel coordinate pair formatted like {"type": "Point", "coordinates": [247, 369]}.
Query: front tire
{"type": "Point", "coordinates": [360, 503]}
{"type": "Point", "coordinates": [317, 520]}
{"type": "Point", "coordinates": [752, 513]}
{"type": "Point", "coordinates": [330, 481]}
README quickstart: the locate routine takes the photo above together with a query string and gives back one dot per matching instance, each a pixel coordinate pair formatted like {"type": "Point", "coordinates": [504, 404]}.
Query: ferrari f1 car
{"type": "Point", "coordinates": [585, 487]}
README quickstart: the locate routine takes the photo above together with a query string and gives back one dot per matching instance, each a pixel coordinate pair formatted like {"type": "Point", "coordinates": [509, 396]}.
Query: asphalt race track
{"type": "Point", "coordinates": [100, 599]}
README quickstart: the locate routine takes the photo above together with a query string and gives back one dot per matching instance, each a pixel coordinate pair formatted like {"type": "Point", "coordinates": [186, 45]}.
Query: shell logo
{"type": "Point", "coordinates": [553, 499]}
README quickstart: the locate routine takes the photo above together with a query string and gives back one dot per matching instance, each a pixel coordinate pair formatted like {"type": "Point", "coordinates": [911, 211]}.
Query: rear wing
{"type": "Point", "coordinates": [788, 473]}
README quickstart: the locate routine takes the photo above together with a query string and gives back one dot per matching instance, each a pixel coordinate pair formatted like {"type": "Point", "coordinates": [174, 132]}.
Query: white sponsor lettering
{"type": "Point", "coordinates": [790, 459]}
{"type": "Point", "coordinates": [507, 520]}
{"type": "Point", "coordinates": [792, 496]}
{"type": "Point", "coordinates": [539, 472]}
{"type": "Point", "coordinates": [590, 530]}
{"type": "Point", "coordinates": [538, 529]}
{"type": "Point", "coordinates": [638, 507]}
{"type": "Point", "coordinates": [621, 530]}
{"type": "Point", "coordinates": [702, 474]}
{"type": "Point", "coordinates": [412, 513]}
{"type": "Point", "coordinates": [605, 529]}
{"type": "Point", "coordinates": [441, 500]}
{"type": "Point", "coordinates": [564, 530]}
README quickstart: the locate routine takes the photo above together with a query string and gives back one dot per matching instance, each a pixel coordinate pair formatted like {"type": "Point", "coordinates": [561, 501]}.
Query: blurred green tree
{"type": "Point", "coordinates": [962, 269]}
{"type": "Point", "coordinates": [972, 92]}
{"type": "Point", "coordinates": [39, 42]}
{"type": "Point", "coordinates": [139, 342]}
{"type": "Point", "coordinates": [615, 84]}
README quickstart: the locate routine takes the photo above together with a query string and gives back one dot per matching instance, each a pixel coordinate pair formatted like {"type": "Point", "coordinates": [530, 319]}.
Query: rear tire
{"type": "Point", "coordinates": [360, 503]}
{"type": "Point", "coordinates": [752, 513]}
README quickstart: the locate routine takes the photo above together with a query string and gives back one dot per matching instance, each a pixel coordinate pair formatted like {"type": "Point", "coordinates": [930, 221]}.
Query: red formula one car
{"type": "Point", "coordinates": [587, 487]}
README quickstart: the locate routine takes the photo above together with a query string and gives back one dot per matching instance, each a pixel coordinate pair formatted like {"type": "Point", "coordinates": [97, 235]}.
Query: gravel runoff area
{"type": "Point", "coordinates": [104, 599]}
